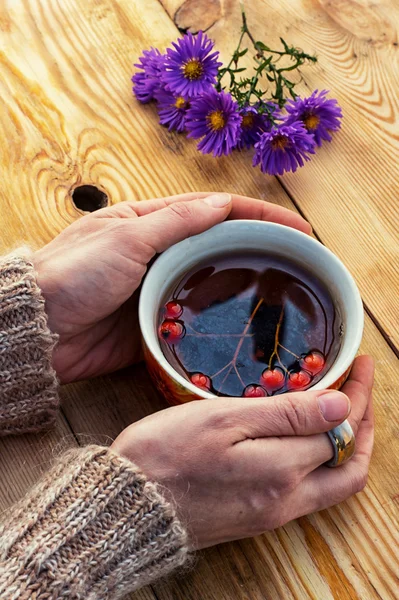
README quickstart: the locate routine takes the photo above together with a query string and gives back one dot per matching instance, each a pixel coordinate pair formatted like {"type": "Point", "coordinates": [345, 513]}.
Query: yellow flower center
{"type": "Point", "coordinates": [216, 120]}
{"type": "Point", "coordinates": [193, 69]}
{"type": "Point", "coordinates": [180, 102]}
{"type": "Point", "coordinates": [247, 121]}
{"type": "Point", "coordinates": [311, 121]}
{"type": "Point", "coordinates": [279, 142]}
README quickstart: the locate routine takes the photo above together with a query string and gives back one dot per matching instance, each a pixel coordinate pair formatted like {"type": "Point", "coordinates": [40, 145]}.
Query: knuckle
{"type": "Point", "coordinates": [359, 482]}
{"type": "Point", "coordinates": [182, 210]}
{"type": "Point", "coordinates": [294, 412]}
{"type": "Point", "coordinates": [289, 483]}
{"type": "Point", "coordinates": [262, 518]}
{"type": "Point", "coordinates": [220, 418]}
{"type": "Point", "coordinates": [267, 520]}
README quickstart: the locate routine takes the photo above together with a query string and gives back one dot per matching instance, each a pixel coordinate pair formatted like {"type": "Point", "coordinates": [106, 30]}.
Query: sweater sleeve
{"type": "Point", "coordinates": [93, 528]}
{"type": "Point", "coordinates": [28, 383]}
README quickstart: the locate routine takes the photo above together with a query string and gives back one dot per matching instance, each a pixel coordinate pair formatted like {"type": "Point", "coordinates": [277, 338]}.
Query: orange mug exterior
{"type": "Point", "coordinates": [174, 392]}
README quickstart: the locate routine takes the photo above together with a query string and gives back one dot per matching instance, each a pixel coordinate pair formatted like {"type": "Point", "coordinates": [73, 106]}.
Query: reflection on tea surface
{"type": "Point", "coordinates": [250, 325]}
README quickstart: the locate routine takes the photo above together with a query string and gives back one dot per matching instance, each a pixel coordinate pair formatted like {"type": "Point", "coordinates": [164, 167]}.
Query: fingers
{"type": "Point", "coordinates": [249, 208]}
{"type": "Point", "coordinates": [293, 414]}
{"type": "Point", "coordinates": [242, 208]}
{"type": "Point", "coordinates": [359, 388]}
{"type": "Point", "coordinates": [162, 228]}
{"type": "Point", "coordinates": [327, 487]}
{"type": "Point", "coordinates": [308, 453]}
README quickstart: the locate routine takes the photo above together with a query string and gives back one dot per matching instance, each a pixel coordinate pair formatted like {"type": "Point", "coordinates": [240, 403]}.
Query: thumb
{"type": "Point", "coordinates": [163, 228]}
{"type": "Point", "coordinates": [296, 413]}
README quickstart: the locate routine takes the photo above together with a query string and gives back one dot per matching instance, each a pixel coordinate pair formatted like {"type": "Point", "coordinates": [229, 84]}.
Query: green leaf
{"type": "Point", "coordinates": [287, 48]}
{"type": "Point", "coordinates": [261, 46]}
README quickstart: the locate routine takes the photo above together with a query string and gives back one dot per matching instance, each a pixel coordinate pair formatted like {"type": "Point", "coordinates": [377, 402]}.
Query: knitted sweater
{"type": "Point", "coordinates": [94, 527]}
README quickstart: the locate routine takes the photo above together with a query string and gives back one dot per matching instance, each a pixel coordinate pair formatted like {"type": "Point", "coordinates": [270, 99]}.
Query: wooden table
{"type": "Point", "coordinates": [67, 117]}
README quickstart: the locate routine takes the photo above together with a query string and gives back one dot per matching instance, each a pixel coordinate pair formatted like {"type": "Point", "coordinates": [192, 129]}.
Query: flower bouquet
{"type": "Point", "coordinates": [189, 85]}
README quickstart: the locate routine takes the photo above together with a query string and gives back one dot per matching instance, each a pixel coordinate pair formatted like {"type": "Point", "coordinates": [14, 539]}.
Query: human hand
{"type": "Point", "coordinates": [239, 467]}
{"type": "Point", "coordinates": [88, 274]}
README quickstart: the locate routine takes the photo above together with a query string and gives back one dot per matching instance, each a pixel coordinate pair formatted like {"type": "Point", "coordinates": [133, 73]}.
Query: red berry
{"type": "Point", "coordinates": [298, 380]}
{"type": "Point", "coordinates": [171, 331]}
{"type": "Point", "coordinates": [313, 362]}
{"type": "Point", "coordinates": [200, 380]}
{"type": "Point", "coordinates": [254, 391]}
{"type": "Point", "coordinates": [173, 310]}
{"type": "Point", "coordinates": [273, 379]}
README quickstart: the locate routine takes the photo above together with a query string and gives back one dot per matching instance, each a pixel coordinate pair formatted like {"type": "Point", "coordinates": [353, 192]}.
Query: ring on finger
{"type": "Point", "coordinates": [343, 442]}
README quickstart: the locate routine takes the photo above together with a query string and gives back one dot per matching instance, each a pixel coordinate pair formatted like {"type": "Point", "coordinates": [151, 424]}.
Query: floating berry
{"type": "Point", "coordinates": [313, 362]}
{"type": "Point", "coordinates": [299, 380]}
{"type": "Point", "coordinates": [171, 331]}
{"type": "Point", "coordinates": [200, 380]}
{"type": "Point", "coordinates": [173, 310]}
{"type": "Point", "coordinates": [273, 379]}
{"type": "Point", "coordinates": [254, 391]}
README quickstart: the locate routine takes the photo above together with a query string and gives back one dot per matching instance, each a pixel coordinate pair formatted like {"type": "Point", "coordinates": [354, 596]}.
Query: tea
{"type": "Point", "coordinates": [250, 325]}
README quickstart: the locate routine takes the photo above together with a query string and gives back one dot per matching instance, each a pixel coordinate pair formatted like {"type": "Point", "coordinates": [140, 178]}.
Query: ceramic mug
{"type": "Point", "coordinates": [233, 236]}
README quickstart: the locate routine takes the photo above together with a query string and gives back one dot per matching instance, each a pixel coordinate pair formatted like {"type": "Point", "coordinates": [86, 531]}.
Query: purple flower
{"type": "Point", "coordinates": [319, 114]}
{"type": "Point", "coordinates": [254, 123]}
{"type": "Point", "coordinates": [171, 109]}
{"type": "Point", "coordinates": [284, 148]}
{"type": "Point", "coordinates": [190, 68]}
{"type": "Point", "coordinates": [215, 118]}
{"type": "Point", "coordinates": [147, 81]}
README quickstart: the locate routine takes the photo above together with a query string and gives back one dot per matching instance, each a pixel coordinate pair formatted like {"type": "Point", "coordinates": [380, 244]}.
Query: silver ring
{"type": "Point", "coordinates": [343, 442]}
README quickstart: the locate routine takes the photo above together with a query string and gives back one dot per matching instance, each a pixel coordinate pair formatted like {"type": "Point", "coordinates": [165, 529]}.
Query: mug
{"type": "Point", "coordinates": [257, 236]}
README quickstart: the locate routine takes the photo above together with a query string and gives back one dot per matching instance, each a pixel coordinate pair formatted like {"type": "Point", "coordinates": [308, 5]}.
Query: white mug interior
{"type": "Point", "coordinates": [233, 236]}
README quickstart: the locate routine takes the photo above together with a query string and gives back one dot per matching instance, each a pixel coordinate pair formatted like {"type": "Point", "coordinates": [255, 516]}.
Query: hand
{"type": "Point", "coordinates": [239, 467]}
{"type": "Point", "coordinates": [89, 273]}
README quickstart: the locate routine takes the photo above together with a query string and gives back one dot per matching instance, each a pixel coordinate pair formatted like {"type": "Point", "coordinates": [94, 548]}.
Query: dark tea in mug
{"type": "Point", "coordinates": [250, 325]}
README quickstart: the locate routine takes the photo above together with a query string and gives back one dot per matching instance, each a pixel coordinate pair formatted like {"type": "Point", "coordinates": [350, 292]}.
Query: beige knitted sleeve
{"type": "Point", "coordinates": [94, 528]}
{"type": "Point", "coordinates": [28, 384]}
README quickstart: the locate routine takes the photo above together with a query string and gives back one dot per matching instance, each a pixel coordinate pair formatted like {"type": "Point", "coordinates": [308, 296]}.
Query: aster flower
{"type": "Point", "coordinates": [215, 118]}
{"type": "Point", "coordinates": [284, 148]}
{"type": "Point", "coordinates": [190, 67]}
{"type": "Point", "coordinates": [254, 123]}
{"type": "Point", "coordinates": [171, 109]}
{"type": "Point", "coordinates": [148, 80]}
{"type": "Point", "coordinates": [319, 114]}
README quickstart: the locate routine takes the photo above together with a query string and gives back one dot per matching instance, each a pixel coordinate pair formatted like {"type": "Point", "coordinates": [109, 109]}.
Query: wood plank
{"type": "Point", "coordinates": [356, 213]}
{"type": "Point", "coordinates": [64, 81]}
{"type": "Point", "coordinates": [67, 99]}
{"type": "Point", "coordinates": [24, 458]}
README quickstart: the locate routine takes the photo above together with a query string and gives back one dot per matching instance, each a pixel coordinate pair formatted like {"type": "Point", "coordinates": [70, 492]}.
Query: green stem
{"type": "Point", "coordinates": [245, 89]}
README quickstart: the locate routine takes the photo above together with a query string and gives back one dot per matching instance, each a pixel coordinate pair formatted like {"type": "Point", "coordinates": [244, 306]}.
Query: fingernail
{"type": "Point", "coordinates": [334, 406]}
{"type": "Point", "coordinates": [218, 200]}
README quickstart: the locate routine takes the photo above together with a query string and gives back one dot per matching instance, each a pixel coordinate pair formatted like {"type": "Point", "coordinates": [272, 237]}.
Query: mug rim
{"type": "Point", "coordinates": [154, 279]}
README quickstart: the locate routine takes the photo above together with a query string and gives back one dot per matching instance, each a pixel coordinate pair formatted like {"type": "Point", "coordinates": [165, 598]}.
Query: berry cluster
{"type": "Point", "coordinates": [172, 330]}
{"type": "Point", "coordinates": [272, 379]}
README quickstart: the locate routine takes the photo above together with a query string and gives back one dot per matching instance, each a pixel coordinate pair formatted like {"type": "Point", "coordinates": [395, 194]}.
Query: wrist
{"type": "Point", "coordinates": [46, 287]}
{"type": "Point", "coordinates": [50, 290]}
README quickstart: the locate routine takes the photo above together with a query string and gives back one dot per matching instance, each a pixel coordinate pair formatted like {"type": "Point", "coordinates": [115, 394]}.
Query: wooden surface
{"type": "Point", "coordinates": [67, 117]}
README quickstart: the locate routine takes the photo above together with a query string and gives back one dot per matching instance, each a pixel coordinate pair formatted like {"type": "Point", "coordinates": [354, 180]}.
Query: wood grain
{"type": "Point", "coordinates": [355, 214]}
{"type": "Point", "coordinates": [187, 14]}
{"type": "Point", "coordinates": [69, 118]}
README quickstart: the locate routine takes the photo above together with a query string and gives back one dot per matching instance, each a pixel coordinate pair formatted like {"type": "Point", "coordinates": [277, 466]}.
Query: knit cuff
{"type": "Point", "coordinates": [93, 528]}
{"type": "Point", "coordinates": [28, 383]}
